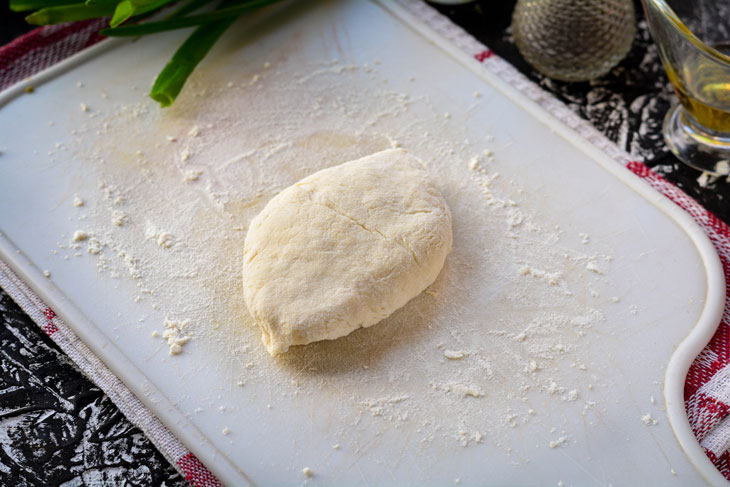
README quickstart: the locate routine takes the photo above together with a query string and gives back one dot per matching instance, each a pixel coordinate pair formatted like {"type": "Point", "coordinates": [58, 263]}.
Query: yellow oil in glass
{"type": "Point", "coordinates": [704, 91]}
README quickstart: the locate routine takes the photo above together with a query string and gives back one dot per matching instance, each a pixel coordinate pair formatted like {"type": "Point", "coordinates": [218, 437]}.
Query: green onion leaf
{"type": "Point", "coordinates": [127, 8]}
{"type": "Point", "coordinates": [89, 3]}
{"type": "Point", "coordinates": [25, 5]}
{"type": "Point", "coordinates": [68, 13]}
{"type": "Point", "coordinates": [173, 77]}
{"type": "Point", "coordinates": [124, 10]}
{"type": "Point", "coordinates": [181, 23]}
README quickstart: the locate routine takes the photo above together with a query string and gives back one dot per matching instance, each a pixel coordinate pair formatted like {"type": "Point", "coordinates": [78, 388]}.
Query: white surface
{"type": "Point", "coordinates": [663, 264]}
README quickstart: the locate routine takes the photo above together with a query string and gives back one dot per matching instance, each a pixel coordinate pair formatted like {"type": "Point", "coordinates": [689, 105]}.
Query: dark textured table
{"type": "Point", "coordinates": [59, 428]}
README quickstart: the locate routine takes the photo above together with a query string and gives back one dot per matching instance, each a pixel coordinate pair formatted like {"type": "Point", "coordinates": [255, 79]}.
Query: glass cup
{"type": "Point", "coordinates": [693, 37]}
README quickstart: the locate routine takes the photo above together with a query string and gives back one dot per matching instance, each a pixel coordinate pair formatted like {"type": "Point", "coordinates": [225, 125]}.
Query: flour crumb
{"type": "Point", "coordinates": [79, 236]}
{"type": "Point", "coordinates": [95, 246]}
{"type": "Point", "coordinates": [704, 179]}
{"type": "Point", "coordinates": [240, 383]}
{"type": "Point", "coordinates": [194, 132]}
{"type": "Point", "coordinates": [384, 407]}
{"type": "Point", "coordinates": [551, 278]}
{"type": "Point", "coordinates": [592, 266]}
{"type": "Point", "coordinates": [165, 240]}
{"type": "Point", "coordinates": [472, 391]}
{"type": "Point", "coordinates": [191, 175]}
{"type": "Point", "coordinates": [454, 354]}
{"type": "Point", "coordinates": [553, 388]}
{"type": "Point", "coordinates": [174, 335]}
{"type": "Point", "coordinates": [226, 431]}
{"type": "Point", "coordinates": [572, 395]}
{"type": "Point", "coordinates": [648, 420]}
{"type": "Point", "coordinates": [671, 470]}
{"type": "Point", "coordinates": [463, 390]}
{"type": "Point", "coordinates": [119, 218]}
{"type": "Point", "coordinates": [515, 219]}
{"type": "Point", "coordinates": [185, 154]}
{"type": "Point", "coordinates": [84, 107]}
{"type": "Point", "coordinates": [559, 442]}
{"type": "Point", "coordinates": [47, 273]}
{"type": "Point", "coordinates": [722, 168]}
{"type": "Point", "coordinates": [171, 138]}
{"type": "Point", "coordinates": [477, 94]}
{"type": "Point", "coordinates": [336, 446]}
{"type": "Point", "coordinates": [615, 299]}
{"type": "Point", "coordinates": [560, 483]}
{"type": "Point", "coordinates": [584, 238]}
{"type": "Point", "coordinates": [78, 201]}
{"type": "Point", "coordinates": [651, 399]}
{"type": "Point", "coordinates": [307, 472]}
{"type": "Point", "coordinates": [155, 333]}
{"type": "Point", "coordinates": [520, 337]}
{"type": "Point", "coordinates": [447, 115]}
{"type": "Point", "coordinates": [267, 65]}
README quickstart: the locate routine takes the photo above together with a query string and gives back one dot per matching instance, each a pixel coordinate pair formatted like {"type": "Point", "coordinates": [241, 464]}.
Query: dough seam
{"type": "Point", "coordinates": [373, 231]}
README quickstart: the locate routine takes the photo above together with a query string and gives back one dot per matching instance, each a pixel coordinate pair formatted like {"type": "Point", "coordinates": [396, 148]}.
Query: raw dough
{"type": "Point", "coordinates": [343, 249]}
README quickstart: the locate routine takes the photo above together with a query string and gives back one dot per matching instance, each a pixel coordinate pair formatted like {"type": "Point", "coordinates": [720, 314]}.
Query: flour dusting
{"type": "Point", "coordinates": [496, 342]}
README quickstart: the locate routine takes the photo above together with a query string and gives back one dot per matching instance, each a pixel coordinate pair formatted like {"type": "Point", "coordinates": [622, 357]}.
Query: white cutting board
{"type": "Point", "coordinates": [289, 414]}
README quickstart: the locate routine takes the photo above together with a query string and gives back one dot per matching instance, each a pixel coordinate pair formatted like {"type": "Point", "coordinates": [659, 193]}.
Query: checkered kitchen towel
{"type": "Point", "coordinates": [707, 387]}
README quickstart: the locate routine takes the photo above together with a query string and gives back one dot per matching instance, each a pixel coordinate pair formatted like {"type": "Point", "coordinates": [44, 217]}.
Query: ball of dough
{"type": "Point", "coordinates": [343, 249]}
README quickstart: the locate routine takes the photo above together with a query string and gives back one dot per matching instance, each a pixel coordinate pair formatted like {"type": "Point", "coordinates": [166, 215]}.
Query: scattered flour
{"type": "Point", "coordinates": [520, 340]}
{"type": "Point", "coordinates": [165, 240]}
{"type": "Point", "coordinates": [95, 246]}
{"type": "Point", "coordinates": [559, 442]}
{"type": "Point", "coordinates": [722, 168]}
{"type": "Point", "coordinates": [119, 218]}
{"type": "Point", "coordinates": [648, 420]}
{"type": "Point", "coordinates": [191, 175]}
{"type": "Point", "coordinates": [454, 354]}
{"type": "Point", "coordinates": [79, 236]}
{"type": "Point", "coordinates": [175, 335]}
{"type": "Point", "coordinates": [461, 390]}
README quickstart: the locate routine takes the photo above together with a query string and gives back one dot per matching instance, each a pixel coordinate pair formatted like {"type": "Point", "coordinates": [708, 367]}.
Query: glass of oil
{"type": "Point", "coordinates": [693, 37]}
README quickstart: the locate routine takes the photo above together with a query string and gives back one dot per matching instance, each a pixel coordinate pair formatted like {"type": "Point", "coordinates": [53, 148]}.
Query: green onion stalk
{"type": "Point", "coordinates": [127, 18]}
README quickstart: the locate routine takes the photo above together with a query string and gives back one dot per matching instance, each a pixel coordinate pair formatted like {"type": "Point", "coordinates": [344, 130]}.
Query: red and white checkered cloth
{"type": "Point", "coordinates": [707, 387]}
